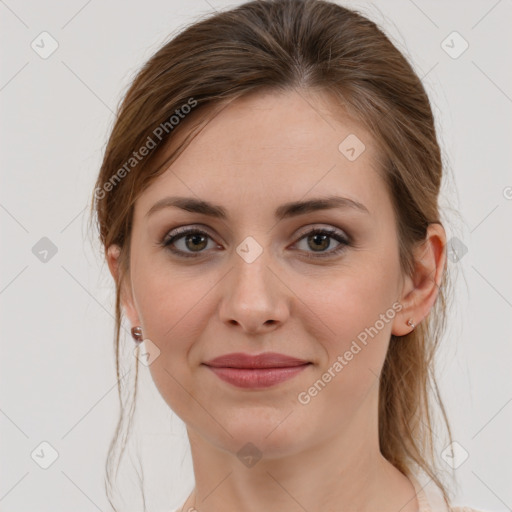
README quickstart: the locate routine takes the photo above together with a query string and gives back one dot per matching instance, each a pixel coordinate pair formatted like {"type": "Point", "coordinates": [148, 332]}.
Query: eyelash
{"type": "Point", "coordinates": [332, 233]}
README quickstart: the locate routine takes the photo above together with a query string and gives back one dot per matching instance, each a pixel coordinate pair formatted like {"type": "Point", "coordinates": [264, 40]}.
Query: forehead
{"type": "Point", "coordinates": [273, 147]}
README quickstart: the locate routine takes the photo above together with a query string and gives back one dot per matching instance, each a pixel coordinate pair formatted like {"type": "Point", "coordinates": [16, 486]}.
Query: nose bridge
{"type": "Point", "coordinates": [253, 295]}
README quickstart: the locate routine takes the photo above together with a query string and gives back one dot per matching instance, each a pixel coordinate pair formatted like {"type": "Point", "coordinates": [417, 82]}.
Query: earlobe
{"type": "Point", "coordinates": [423, 286]}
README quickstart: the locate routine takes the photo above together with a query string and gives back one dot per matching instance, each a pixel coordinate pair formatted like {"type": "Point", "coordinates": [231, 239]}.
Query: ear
{"type": "Point", "coordinates": [126, 298]}
{"type": "Point", "coordinates": [422, 288]}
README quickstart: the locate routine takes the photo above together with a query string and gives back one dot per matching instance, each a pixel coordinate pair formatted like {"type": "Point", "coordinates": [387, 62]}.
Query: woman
{"type": "Point", "coordinates": [268, 205]}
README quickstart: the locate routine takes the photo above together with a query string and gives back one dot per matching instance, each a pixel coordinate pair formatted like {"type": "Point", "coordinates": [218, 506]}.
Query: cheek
{"type": "Point", "coordinates": [171, 301]}
{"type": "Point", "coordinates": [357, 312]}
{"type": "Point", "coordinates": [354, 350]}
{"type": "Point", "coordinates": [174, 310]}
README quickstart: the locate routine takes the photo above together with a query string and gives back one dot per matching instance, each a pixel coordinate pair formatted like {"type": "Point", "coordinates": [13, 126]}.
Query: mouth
{"type": "Point", "coordinates": [256, 371]}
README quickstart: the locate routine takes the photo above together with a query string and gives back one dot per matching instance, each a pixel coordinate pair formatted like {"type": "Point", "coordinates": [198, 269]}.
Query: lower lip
{"type": "Point", "coordinates": [258, 377]}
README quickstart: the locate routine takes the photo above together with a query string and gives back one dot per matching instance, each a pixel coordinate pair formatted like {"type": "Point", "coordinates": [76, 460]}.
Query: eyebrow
{"type": "Point", "coordinates": [284, 211]}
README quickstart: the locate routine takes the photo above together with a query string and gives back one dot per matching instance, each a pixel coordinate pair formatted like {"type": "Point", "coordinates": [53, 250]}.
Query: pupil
{"type": "Point", "coordinates": [323, 239]}
{"type": "Point", "coordinates": [195, 238]}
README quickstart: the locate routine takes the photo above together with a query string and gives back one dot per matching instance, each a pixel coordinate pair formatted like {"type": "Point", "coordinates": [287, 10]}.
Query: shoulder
{"type": "Point", "coordinates": [430, 498]}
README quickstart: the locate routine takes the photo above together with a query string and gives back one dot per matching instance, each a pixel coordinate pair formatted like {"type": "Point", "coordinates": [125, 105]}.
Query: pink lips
{"type": "Point", "coordinates": [258, 371]}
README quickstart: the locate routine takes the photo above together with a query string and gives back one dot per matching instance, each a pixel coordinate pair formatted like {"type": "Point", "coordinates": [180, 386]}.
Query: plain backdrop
{"type": "Point", "coordinates": [58, 382]}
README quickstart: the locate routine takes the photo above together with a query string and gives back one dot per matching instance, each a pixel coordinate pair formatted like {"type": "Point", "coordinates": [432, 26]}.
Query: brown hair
{"type": "Point", "coordinates": [284, 45]}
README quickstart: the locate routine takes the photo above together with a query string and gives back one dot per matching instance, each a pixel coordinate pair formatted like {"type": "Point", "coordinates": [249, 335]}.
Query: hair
{"type": "Point", "coordinates": [286, 45]}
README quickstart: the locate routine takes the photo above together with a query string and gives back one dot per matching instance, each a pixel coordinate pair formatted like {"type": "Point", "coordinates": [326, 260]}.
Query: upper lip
{"type": "Point", "coordinates": [264, 360]}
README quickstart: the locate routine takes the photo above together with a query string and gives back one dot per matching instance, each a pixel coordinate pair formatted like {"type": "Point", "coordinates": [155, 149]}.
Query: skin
{"type": "Point", "coordinates": [258, 153]}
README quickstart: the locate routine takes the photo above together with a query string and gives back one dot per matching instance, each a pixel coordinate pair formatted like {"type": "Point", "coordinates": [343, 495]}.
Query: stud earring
{"type": "Point", "coordinates": [137, 334]}
{"type": "Point", "coordinates": [410, 323]}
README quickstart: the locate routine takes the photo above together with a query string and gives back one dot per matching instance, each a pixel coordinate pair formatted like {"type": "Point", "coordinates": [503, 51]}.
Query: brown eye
{"type": "Point", "coordinates": [319, 240]}
{"type": "Point", "coordinates": [186, 242]}
{"type": "Point", "coordinates": [196, 241]}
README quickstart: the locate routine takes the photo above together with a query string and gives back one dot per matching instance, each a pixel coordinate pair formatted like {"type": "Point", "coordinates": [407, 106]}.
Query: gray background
{"type": "Point", "coordinates": [57, 364]}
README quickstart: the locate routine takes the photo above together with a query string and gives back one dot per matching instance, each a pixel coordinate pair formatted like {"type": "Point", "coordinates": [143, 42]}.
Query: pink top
{"type": "Point", "coordinates": [429, 499]}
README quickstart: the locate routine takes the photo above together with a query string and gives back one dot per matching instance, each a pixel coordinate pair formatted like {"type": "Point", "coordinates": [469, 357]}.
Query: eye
{"type": "Point", "coordinates": [191, 239]}
{"type": "Point", "coordinates": [319, 239]}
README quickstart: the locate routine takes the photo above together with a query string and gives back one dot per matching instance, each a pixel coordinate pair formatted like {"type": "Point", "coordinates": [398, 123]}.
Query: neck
{"type": "Point", "coordinates": [342, 473]}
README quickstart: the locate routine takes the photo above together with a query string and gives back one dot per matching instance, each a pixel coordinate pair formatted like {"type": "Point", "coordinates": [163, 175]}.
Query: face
{"type": "Point", "coordinates": [254, 282]}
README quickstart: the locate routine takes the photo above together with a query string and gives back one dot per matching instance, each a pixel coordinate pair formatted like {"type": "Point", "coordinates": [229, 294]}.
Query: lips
{"type": "Point", "coordinates": [258, 371]}
{"type": "Point", "coordinates": [265, 360]}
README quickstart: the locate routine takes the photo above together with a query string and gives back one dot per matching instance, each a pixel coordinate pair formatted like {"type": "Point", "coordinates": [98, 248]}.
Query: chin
{"type": "Point", "coordinates": [268, 435]}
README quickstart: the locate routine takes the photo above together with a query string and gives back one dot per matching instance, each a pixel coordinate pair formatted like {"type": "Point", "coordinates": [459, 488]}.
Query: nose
{"type": "Point", "coordinates": [254, 298]}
